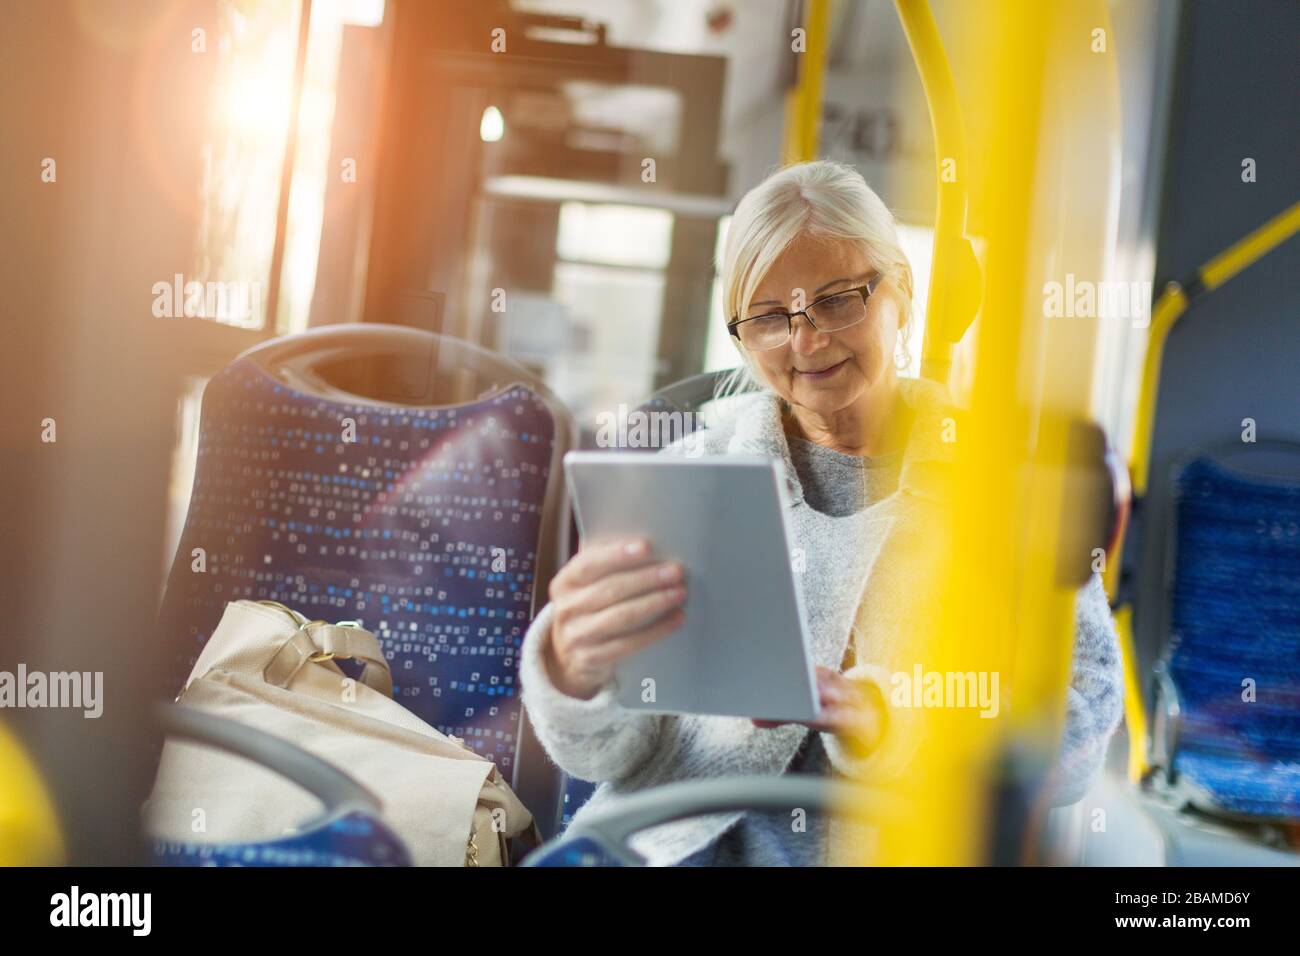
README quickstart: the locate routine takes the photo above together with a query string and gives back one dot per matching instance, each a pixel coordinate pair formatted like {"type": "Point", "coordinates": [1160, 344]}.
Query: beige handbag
{"type": "Point", "coordinates": [268, 667]}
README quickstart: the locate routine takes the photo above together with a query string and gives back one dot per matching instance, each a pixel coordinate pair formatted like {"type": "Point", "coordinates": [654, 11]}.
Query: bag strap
{"type": "Point", "coordinates": [320, 641]}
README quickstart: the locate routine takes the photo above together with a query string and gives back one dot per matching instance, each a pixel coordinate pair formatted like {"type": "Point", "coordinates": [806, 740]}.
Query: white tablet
{"type": "Point", "coordinates": [743, 650]}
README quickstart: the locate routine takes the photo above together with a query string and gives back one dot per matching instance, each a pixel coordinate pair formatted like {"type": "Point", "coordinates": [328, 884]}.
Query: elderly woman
{"type": "Point", "coordinates": [817, 291]}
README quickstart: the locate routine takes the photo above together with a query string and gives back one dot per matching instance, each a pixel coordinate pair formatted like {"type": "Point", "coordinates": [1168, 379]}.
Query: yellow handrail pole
{"type": "Point", "coordinates": [1251, 248]}
{"type": "Point", "coordinates": [1169, 308]}
{"type": "Point", "coordinates": [29, 829]}
{"type": "Point", "coordinates": [1071, 235]}
{"type": "Point", "coordinates": [1171, 304]}
{"type": "Point", "coordinates": [803, 104]}
{"type": "Point", "coordinates": [1135, 712]}
{"type": "Point", "coordinates": [1010, 513]}
{"type": "Point", "coordinates": [1004, 604]}
{"type": "Point", "coordinates": [945, 792]}
{"type": "Point", "coordinates": [943, 326]}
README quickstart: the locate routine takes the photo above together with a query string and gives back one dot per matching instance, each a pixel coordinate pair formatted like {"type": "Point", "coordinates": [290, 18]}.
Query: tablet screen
{"type": "Point", "coordinates": [742, 650]}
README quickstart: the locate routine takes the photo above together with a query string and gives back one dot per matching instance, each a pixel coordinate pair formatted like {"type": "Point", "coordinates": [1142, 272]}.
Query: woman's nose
{"type": "Point", "coordinates": [804, 338]}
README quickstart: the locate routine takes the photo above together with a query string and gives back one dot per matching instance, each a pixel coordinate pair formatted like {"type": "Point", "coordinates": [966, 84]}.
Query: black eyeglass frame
{"type": "Point", "coordinates": [865, 291]}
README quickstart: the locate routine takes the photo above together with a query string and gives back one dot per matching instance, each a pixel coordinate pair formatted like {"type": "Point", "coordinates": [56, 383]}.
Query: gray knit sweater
{"type": "Point", "coordinates": [865, 565]}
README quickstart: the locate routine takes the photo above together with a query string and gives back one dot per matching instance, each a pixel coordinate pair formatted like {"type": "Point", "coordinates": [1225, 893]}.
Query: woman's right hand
{"type": "Point", "coordinates": [611, 600]}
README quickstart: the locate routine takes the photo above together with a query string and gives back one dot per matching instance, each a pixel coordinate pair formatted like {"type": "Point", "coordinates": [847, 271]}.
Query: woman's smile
{"type": "Point", "coordinates": [823, 373]}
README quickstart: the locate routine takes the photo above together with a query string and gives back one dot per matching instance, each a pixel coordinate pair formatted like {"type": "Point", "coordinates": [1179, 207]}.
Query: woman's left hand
{"type": "Point", "coordinates": [848, 708]}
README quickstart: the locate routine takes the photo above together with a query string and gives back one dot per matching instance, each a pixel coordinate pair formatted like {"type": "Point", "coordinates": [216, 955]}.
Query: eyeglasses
{"type": "Point", "coordinates": [828, 314]}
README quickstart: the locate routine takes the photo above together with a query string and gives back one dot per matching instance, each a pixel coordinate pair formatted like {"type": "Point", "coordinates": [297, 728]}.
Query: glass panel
{"type": "Point", "coordinates": [918, 246]}
{"type": "Point", "coordinates": [243, 159]}
{"type": "Point", "coordinates": [312, 167]}
{"type": "Point", "coordinates": [614, 314]}
{"type": "Point", "coordinates": [720, 352]}
{"type": "Point", "coordinates": [615, 235]}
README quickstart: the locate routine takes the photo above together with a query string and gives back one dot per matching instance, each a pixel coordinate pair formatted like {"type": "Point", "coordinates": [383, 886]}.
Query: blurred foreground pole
{"type": "Point", "coordinates": [1041, 186]}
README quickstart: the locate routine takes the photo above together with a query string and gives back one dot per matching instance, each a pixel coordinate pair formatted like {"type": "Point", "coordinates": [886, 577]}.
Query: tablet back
{"type": "Point", "coordinates": [743, 650]}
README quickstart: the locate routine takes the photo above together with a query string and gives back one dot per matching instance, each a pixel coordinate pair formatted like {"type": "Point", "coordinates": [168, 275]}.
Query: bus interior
{"type": "Point", "coordinates": [232, 225]}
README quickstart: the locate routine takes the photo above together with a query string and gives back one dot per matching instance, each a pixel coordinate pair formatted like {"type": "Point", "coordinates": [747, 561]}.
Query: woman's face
{"type": "Point", "coordinates": [820, 371]}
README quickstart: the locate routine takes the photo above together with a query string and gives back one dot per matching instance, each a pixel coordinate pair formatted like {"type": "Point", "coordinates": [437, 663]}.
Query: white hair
{"type": "Point", "coordinates": [820, 199]}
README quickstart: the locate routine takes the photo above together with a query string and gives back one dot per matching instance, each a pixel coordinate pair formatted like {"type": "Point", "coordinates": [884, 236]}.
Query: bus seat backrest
{"type": "Point", "coordinates": [1234, 651]}
{"type": "Point", "coordinates": [421, 523]}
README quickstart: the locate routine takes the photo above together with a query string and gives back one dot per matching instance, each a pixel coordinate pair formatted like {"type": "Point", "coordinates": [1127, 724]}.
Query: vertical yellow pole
{"type": "Point", "coordinates": [803, 104]}
{"type": "Point", "coordinates": [945, 793]}
{"type": "Point", "coordinates": [1001, 605]}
